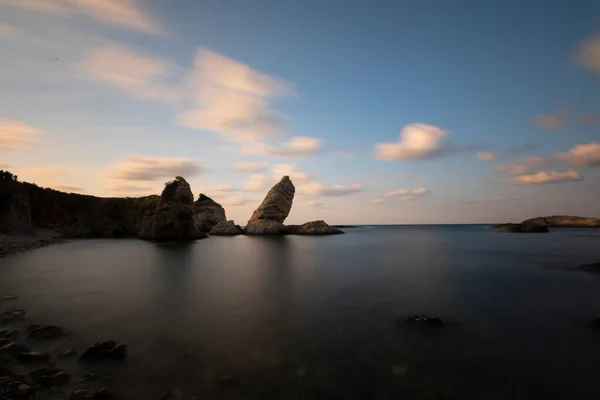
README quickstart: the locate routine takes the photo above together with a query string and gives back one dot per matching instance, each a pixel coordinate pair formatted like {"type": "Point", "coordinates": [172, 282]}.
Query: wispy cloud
{"type": "Point", "coordinates": [233, 100]}
{"type": "Point", "coordinates": [146, 168]}
{"type": "Point", "coordinates": [291, 170]}
{"type": "Point", "coordinates": [250, 166]}
{"type": "Point", "coordinates": [587, 155]}
{"type": "Point", "coordinates": [417, 141]}
{"type": "Point", "coordinates": [543, 177]}
{"type": "Point", "coordinates": [257, 183]}
{"type": "Point", "coordinates": [377, 201]}
{"type": "Point", "coordinates": [409, 194]}
{"type": "Point", "coordinates": [140, 75]}
{"type": "Point", "coordinates": [134, 189]}
{"type": "Point", "coordinates": [589, 53]}
{"type": "Point", "coordinates": [16, 135]}
{"type": "Point", "coordinates": [316, 189]}
{"type": "Point", "coordinates": [10, 30]}
{"type": "Point", "coordinates": [70, 189]}
{"type": "Point", "coordinates": [119, 13]}
{"type": "Point", "coordinates": [536, 162]}
{"type": "Point", "coordinates": [232, 200]}
{"type": "Point", "coordinates": [507, 152]}
{"type": "Point", "coordinates": [549, 122]}
{"type": "Point", "coordinates": [298, 146]}
{"type": "Point", "coordinates": [316, 204]}
{"type": "Point", "coordinates": [514, 170]}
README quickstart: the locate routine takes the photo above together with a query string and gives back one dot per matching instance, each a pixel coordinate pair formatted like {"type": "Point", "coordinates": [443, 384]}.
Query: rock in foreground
{"type": "Point", "coordinates": [313, 228]}
{"type": "Point", "coordinates": [107, 349]}
{"type": "Point", "coordinates": [268, 218]}
{"type": "Point", "coordinates": [423, 320]}
{"type": "Point", "coordinates": [228, 228]}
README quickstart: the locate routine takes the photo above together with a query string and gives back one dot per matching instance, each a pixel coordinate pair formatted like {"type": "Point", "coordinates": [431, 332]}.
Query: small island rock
{"type": "Point", "coordinates": [228, 228]}
{"type": "Point", "coordinates": [313, 228]}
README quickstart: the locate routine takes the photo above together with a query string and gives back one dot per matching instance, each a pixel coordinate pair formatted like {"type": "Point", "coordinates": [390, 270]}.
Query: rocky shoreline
{"type": "Point", "coordinates": [542, 224]}
{"type": "Point", "coordinates": [12, 244]}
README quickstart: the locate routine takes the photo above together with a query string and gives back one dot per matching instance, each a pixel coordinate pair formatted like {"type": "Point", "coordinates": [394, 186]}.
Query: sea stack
{"type": "Point", "coordinates": [268, 218]}
{"type": "Point", "coordinates": [175, 217]}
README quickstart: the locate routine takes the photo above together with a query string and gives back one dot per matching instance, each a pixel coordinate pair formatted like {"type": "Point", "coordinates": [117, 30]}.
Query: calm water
{"type": "Point", "coordinates": [315, 318]}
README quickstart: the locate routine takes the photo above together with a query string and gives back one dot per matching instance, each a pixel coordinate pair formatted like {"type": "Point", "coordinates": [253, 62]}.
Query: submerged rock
{"type": "Point", "coordinates": [49, 377]}
{"type": "Point", "coordinates": [208, 213]}
{"type": "Point", "coordinates": [33, 357]}
{"type": "Point", "coordinates": [12, 348]}
{"type": "Point", "coordinates": [85, 394]}
{"type": "Point", "coordinates": [12, 314]}
{"type": "Point", "coordinates": [268, 218]}
{"type": "Point", "coordinates": [592, 267]}
{"type": "Point", "coordinates": [423, 320]}
{"type": "Point", "coordinates": [174, 218]}
{"type": "Point", "coordinates": [106, 349]}
{"type": "Point", "coordinates": [228, 228]}
{"type": "Point", "coordinates": [66, 353]}
{"type": "Point", "coordinates": [313, 228]}
{"type": "Point", "coordinates": [13, 386]}
{"type": "Point", "coordinates": [47, 332]}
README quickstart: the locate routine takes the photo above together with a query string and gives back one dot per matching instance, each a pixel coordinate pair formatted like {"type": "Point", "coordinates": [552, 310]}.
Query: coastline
{"type": "Point", "coordinates": [13, 244]}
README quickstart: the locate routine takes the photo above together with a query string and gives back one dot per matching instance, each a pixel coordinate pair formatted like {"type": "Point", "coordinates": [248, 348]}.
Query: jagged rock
{"type": "Point", "coordinates": [208, 213]}
{"type": "Point", "coordinates": [174, 217]}
{"type": "Point", "coordinates": [106, 349]}
{"type": "Point", "coordinates": [265, 227]}
{"type": "Point", "coordinates": [268, 218]}
{"type": "Point", "coordinates": [313, 228]}
{"type": "Point", "coordinates": [47, 332]}
{"type": "Point", "coordinates": [228, 228]}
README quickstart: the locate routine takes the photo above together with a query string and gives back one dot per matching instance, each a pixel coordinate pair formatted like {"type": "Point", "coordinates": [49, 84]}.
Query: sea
{"type": "Point", "coordinates": [298, 317]}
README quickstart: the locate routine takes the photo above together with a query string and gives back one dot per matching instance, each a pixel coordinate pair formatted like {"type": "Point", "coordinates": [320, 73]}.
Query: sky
{"type": "Point", "coordinates": [381, 112]}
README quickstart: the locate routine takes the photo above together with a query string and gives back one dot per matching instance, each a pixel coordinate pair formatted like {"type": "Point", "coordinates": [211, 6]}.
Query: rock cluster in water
{"type": "Point", "coordinates": [541, 224]}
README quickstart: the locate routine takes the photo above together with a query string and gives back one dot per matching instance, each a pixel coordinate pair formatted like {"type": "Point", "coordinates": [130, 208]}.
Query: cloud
{"type": "Point", "coordinates": [409, 194]}
{"type": "Point", "coordinates": [292, 171]}
{"type": "Point", "coordinates": [298, 146]}
{"type": "Point", "coordinates": [536, 162]}
{"type": "Point", "coordinates": [316, 204]}
{"type": "Point", "coordinates": [543, 177]}
{"type": "Point", "coordinates": [589, 53]}
{"type": "Point", "coordinates": [488, 157]}
{"type": "Point", "coordinates": [145, 168]}
{"type": "Point", "coordinates": [512, 169]}
{"type": "Point", "coordinates": [17, 135]}
{"type": "Point", "coordinates": [549, 122]}
{"type": "Point", "coordinates": [377, 201]}
{"type": "Point", "coordinates": [257, 183]}
{"type": "Point", "coordinates": [250, 166]}
{"type": "Point", "coordinates": [119, 13]}
{"type": "Point", "coordinates": [140, 75]}
{"type": "Point", "coordinates": [135, 189]}
{"type": "Point", "coordinates": [10, 30]}
{"type": "Point", "coordinates": [587, 155]}
{"type": "Point", "coordinates": [417, 141]}
{"type": "Point", "coordinates": [590, 119]}
{"type": "Point", "coordinates": [316, 189]}
{"type": "Point", "coordinates": [507, 152]}
{"type": "Point", "coordinates": [70, 189]}
{"type": "Point", "coordinates": [233, 100]}
{"type": "Point", "coordinates": [232, 200]}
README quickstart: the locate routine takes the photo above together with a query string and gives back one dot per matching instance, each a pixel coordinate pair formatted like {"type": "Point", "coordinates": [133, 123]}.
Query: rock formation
{"type": "Point", "coordinates": [175, 217]}
{"type": "Point", "coordinates": [208, 213]}
{"type": "Point", "coordinates": [228, 228]}
{"type": "Point", "coordinates": [268, 218]}
{"type": "Point", "coordinates": [313, 228]}
{"type": "Point", "coordinates": [15, 208]}
{"type": "Point", "coordinates": [522, 228]}
{"type": "Point", "coordinates": [564, 221]}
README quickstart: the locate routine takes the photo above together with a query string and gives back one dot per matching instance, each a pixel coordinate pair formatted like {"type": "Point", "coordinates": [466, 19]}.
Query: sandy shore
{"type": "Point", "coordinates": [10, 244]}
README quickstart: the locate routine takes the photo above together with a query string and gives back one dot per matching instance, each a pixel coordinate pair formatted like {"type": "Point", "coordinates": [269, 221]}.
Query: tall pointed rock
{"type": "Point", "coordinates": [268, 218]}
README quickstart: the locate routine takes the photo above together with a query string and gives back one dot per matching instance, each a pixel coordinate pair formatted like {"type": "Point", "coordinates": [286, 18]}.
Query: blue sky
{"type": "Point", "coordinates": [381, 112]}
